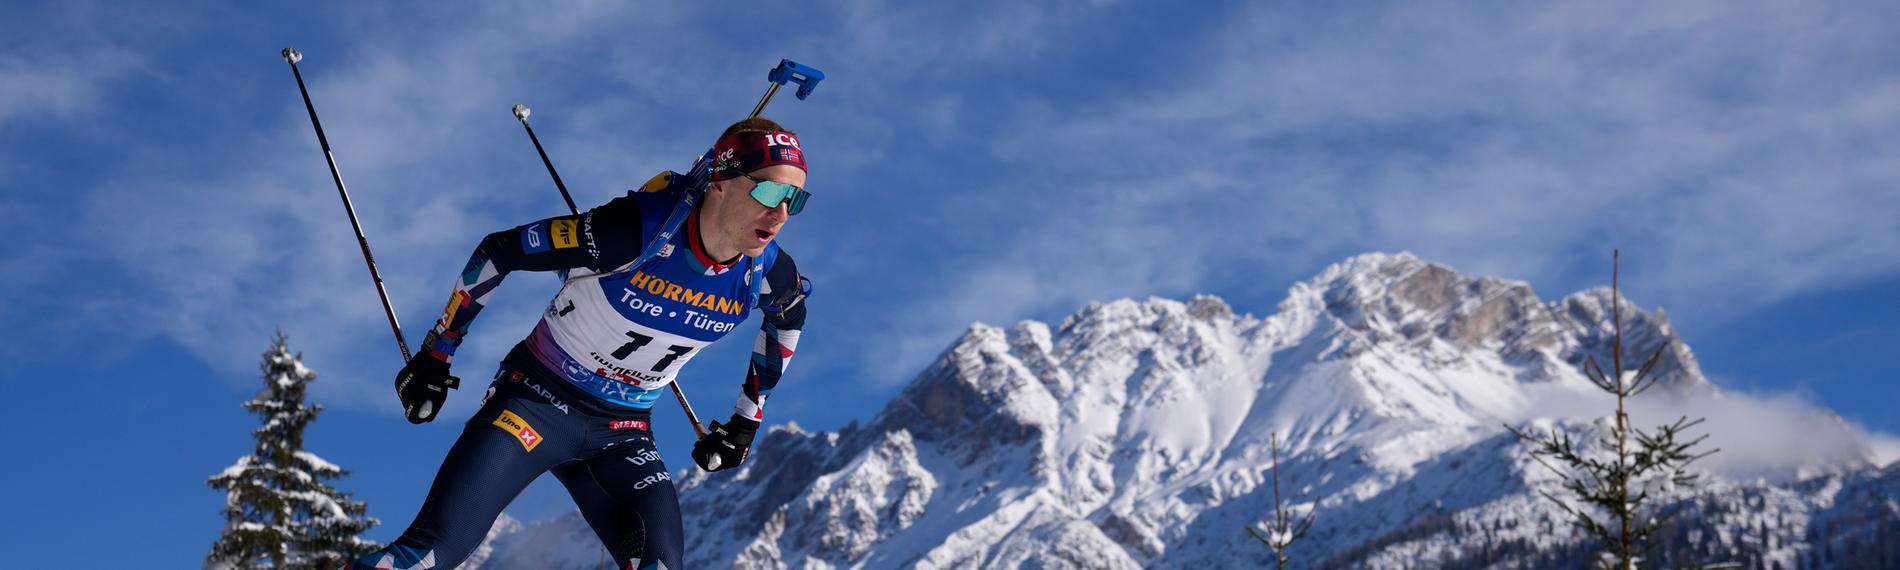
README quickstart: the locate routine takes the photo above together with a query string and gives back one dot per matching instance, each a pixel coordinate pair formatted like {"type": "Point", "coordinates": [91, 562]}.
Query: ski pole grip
{"type": "Point", "coordinates": [789, 71]}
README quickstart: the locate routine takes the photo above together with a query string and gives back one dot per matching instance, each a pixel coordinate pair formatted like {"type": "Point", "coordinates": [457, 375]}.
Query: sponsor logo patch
{"type": "Point", "coordinates": [661, 288]}
{"type": "Point", "coordinates": [565, 234]}
{"type": "Point", "coordinates": [651, 480]}
{"type": "Point", "coordinates": [514, 425]}
{"type": "Point", "coordinates": [531, 239]}
{"type": "Point", "coordinates": [516, 376]}
{"type": "Point", "coordinates": [587, 229]}
{"type": "Point", "coordinates": [628, 424]}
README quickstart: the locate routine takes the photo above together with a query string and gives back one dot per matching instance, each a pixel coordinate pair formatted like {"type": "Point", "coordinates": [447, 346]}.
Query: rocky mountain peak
{"type": "Point", "coordinates": [1388, 299]}
{"type": "Point", "coordinates": [976, 395]}
{"type": "Point", "coordinates": [1398, 295]}
{"type": "Point", "coordinates": [1134, 434]}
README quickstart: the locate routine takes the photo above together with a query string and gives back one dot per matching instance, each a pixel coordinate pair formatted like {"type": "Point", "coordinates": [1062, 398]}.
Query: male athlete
{"type": "Point", "coordinates": [576, 396]}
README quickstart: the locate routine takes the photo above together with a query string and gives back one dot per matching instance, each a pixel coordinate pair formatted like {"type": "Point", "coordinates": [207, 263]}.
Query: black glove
{"type": "Point", "coordinates": [725, 446]}
{"type": "Point", "coordinates": [423, 385]}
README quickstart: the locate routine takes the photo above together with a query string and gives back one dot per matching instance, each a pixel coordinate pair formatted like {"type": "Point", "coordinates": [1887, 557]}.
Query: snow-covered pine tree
{"type": "Point", "coordinates": [279, 512]}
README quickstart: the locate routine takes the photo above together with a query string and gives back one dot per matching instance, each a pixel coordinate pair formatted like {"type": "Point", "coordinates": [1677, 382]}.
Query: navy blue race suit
{"type": "Point", "coordinates": [575, 397]}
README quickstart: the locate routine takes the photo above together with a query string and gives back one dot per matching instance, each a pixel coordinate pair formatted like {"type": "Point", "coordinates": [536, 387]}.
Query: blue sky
{"type": "Point", "coordinates": [989, 162]}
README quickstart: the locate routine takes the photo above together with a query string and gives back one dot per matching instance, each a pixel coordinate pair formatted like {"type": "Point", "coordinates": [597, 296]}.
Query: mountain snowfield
{"type": "Point", "coordinates": [1135, 434]}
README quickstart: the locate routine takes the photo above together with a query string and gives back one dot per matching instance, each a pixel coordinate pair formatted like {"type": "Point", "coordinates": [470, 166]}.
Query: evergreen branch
{"type": "Point", "coordinates": [1595, 373]}
{"type": "Point", "coordinates": [1643, 378]}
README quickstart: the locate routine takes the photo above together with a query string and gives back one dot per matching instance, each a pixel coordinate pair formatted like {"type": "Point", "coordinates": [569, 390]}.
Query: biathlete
{"type": "Point", "coordinates": [576, 396]}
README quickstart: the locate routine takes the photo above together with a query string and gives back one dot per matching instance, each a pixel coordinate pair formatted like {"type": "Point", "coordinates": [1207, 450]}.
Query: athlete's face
{"type": "Point", "coordinates": [739, 224]}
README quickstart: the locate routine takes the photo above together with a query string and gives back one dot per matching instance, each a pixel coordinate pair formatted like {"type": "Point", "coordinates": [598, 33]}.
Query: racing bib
{"type": "Point", "coordinates": [625, 335]}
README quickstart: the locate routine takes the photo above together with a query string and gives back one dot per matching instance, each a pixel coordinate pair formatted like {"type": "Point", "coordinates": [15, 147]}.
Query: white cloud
{"type": "Point", "coordinates": [237, 241]}
{"type": "Point", "coordinates": [1772, 435]}
{"type": "Point", "coordinates": [1736, 153]}
{"type": "Point", "coordinates": [23, 269]}
{"type": "Point", "coordinates": [247, 234]}
{"type": "Point", "coordinates": [970, 167]}
{"type": "Point", "coordinates": [41, 83]}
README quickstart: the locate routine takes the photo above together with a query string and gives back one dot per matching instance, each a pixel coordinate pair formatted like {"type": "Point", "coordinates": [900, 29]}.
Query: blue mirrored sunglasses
{"type": "Point", "coordinates": [771, 193]}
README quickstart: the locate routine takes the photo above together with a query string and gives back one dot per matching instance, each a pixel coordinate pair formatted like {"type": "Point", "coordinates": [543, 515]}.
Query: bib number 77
{"type": "Point", "coordinates": [640, 340]}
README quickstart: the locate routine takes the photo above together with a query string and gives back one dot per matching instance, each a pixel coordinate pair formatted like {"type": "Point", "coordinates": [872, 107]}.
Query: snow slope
{"type": "Point", "coordinates": [1135, 434]}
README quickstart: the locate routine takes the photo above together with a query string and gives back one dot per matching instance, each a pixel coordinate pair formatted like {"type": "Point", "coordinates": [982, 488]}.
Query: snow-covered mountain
{"type": "Point", "coordinates": [1135, 434]}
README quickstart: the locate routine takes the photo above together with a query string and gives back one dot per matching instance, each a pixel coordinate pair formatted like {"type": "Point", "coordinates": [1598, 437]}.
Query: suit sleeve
{"type": "Point", "coordinates": [598, 240]}
{"type": "Point", "coordinates": [784, 308]}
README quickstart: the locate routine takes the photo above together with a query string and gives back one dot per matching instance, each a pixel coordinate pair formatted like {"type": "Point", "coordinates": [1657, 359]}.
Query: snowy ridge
{"type": "Point", "coordinates": [564, 542]}
{"type": "Point", "coordinates": [1135, 434]}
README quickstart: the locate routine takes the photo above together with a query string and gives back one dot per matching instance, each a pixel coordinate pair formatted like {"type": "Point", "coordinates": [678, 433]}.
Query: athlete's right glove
{"type": "Point", "coordinates": [423, 385]}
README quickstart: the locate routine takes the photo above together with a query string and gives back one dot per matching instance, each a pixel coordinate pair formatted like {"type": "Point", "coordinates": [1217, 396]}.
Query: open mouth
{"type": "Point", "coordinates": [763, 235]}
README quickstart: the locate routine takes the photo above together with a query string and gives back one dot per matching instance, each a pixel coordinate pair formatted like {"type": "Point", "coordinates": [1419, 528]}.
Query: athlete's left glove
{"type": "Point", "coordinates": [423, 385]}
{"type": "Point", "coordinates": [725, 446]}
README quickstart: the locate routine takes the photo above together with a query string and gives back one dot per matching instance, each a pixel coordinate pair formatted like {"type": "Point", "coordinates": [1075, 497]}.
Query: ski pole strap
{"type": "Point", "coordinates": [701, 174]}
{"type": "Point", "coordinates": [674, 222]}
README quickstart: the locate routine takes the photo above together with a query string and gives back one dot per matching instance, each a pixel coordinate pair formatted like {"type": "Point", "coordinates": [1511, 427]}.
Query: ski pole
{"type": "Point", "coordinates": [292, 56]}
{"type": "Point", "coordinates": [521, 113]}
